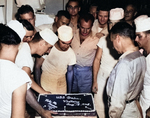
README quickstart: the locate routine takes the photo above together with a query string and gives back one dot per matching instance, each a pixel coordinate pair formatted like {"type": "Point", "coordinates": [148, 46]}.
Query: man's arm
{"type": "Point", "coordinates": [96, 66]}
{"type": "Point", "coordinates": [148, 113]}
{"type": "Point", "coordinates": [69, 78]}
{"type": "Point", "coordinates": [34, 85]}
{"type": "Point", "coordinates": [18, 102]}
{"type": "Point", "coordinates": [37, 70]}
{"type": "Point", "coordinates": [31, 100]}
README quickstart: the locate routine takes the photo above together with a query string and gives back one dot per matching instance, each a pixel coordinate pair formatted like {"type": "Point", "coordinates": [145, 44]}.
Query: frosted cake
{"type": "Point", "coordinates": [69, 104]}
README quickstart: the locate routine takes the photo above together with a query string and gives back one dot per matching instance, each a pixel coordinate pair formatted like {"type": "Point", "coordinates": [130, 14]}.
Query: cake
{"type": "Point", "coordinates": [68, 104]}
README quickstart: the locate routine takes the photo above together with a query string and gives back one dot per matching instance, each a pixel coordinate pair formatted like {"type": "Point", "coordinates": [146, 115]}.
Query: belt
{"type": "Point", "coordinates": [82, 68]}
{"type": "Point", "coordinates": [129, 101]}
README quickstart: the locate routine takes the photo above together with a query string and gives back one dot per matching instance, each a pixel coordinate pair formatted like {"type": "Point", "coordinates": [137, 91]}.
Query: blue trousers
{"type": "Point", "coordinates": [82, 82]}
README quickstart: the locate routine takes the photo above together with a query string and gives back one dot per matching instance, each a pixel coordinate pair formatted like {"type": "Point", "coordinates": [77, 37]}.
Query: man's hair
{"type": "Point", "coordinates": [78, 1]}
{"type": "Point", "coordinates": [103, 8]}
{"type": "Point", "coordinates": [86, 17]}
{"type": "Point", "coordinates": [133, 5]}
{"type": "Point", "coordinates": [8, 36]}
{"type": "Point", "coordinates": [147, 32]}
{"type": "Point", "coordinates": [36, 38]}
{"type": "Point", "coordinates": [123, 29]}
{"type": "Point", "coordinates": [63, 13]}
{"type": "Point", "coordinates": [27, 25]}
{"type": "Point", "coordinates": [23, 10]}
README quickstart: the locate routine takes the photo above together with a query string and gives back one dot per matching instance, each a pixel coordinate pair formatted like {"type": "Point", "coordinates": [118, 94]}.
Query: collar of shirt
{"type": "Point", "coordinates": [128, 52]}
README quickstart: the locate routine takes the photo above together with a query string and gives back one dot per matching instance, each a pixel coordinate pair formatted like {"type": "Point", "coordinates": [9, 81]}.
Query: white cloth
{"type": "Point", "coordinates": [42, 27]}
{"type": "Point", "coordinates": [145, 94]}
{"type": "Point", "coordinates": [96, 28]}
{"type": "Point", "coordinates": [11, 77]}
{"type": "Point", "coordinates": [54, 69]}
{"type": "Point", "coordinates": [57, 61]}
{"type": "Point", "coordinates": [24, 58]}
{"type": "Point", "coordinates": [106, 66]}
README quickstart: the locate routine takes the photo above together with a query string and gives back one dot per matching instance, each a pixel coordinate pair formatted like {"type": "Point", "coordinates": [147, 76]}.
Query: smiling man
{"type": "Point", "coordinates": [100, 24]}
{"type": "Point", "coordinates": [84, 45]}
{"type": "Point", "coordinates": [126, 79]}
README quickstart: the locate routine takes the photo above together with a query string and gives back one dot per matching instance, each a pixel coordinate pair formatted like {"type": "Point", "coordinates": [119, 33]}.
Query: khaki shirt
{"type": "Point", "coordinates": [84, 52]}
{"type": "Point", "coordinates": [125, 83]}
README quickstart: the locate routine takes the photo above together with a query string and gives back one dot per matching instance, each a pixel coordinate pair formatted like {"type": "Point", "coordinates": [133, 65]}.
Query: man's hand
{"type": "Point", "coordinates": [46, 92]}
{"type": "Point", "coordinates": [99, 35]}
{"type": "Point", "coordinates": [95, 87]}
{"type": "Point", "coordinates": [47, 114]}
{"type": "Point", "coordinates": [148, 113]}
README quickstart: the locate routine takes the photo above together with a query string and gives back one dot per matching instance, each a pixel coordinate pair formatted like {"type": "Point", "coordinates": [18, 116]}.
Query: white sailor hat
{"type": "Point", "coordinates": [65, 33]}
{"type": "Point", "coordinates": [116, 14]}
{"type": "Point", "coordinates": [142, 23]}
{"type": "Point", "coordinates": [49, 36]}
{"type": "Point", "coordinates": [18, 28]}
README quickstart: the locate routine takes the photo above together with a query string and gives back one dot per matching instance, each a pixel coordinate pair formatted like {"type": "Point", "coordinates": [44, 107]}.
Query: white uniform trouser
{"type": "Point", "coordinates": [131, 111]}
{"type": "Point", "coordinates": [98, 98]}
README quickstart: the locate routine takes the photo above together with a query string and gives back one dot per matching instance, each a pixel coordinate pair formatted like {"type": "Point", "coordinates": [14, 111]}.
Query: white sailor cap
{"type": "Point", "coordinates": [116, 14]}
{"type": "Point", "coordinates": [65, 33]}
{"type": "Point", "coordinates": [142, 23]}
{"type": "Point", "coordinates": [49, 36]}
{"type": "Point", "coordinates": [18, 28]}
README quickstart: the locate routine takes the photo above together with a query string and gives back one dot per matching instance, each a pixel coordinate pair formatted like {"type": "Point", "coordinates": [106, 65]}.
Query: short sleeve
{"type": "Point", "coordinates": [24, 57]}
{"type": "Point", "coordinates": [101, 42]}
{"type": "Point", "coordinates": [20, 78]}
{"type": "Point", "coordinates": [72, 57]}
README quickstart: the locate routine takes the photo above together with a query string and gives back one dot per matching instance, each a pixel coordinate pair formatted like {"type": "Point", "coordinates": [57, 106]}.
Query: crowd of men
{"type": "Point", "coordinates": [101, 51]}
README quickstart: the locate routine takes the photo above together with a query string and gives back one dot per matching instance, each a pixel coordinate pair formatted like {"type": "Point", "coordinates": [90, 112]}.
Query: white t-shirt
{"type": "Point", "coordinates": [24, 58]}
{"type": "Point", "coordinates": [107, 60]}
{"type": "Point", "coordinates": [145, 94]}
{"type": "Point", "coordinates": [57, 61]}
{"type": "Point", "coordinates": [11, 77]}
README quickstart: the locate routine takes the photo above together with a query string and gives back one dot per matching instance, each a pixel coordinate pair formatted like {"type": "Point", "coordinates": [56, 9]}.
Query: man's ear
{"type": "Point", "coordinates": [135, 13]}
{"type": "Point", "coordinates": [118, 38]}
{"type": "Point", "coordinates": [56, 19]}
{"type": "Point", "coordinates": [41, 43]}
{"type": "Point", "coordinates": [148, 36]}
{"type": "Point", "coordinates": [79, 8]}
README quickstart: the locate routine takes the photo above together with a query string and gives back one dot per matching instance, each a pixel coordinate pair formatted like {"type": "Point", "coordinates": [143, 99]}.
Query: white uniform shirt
{"type": "Point", "coordinates": [145, 94]}
{"type": "Point", "coordinates": [107, 60]}
{"type": "Point", "coordinates": [97, 29]}
{"type": "Point", "coordinates": [24, 58]}
{"type": "Point", "coordinates": [11, 77]}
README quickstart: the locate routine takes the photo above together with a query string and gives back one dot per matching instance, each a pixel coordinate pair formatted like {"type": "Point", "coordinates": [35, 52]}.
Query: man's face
{"type": "Point", "coordinates": [103, 17]}
{"type": "Point", "coordinates": [141, 39]}
{"type": "Point", "coordinates": [85, 28]}
{"type": "Point", "coordinates": [64, 45]}
{"type": "Point", "coordinates": [93, 11]}
{"type": "Point", "coordinates": [73, 8]}
{"type": "Point", "coordinates": [116, 43]}
{"type": "Point", "coordinates": [129, 13]}
{"type": "Point", "coordinates": [62, 21]}
{"type": "Point", "coordinates": [44, 48]}
{"type": "Point", "coordinates": [29, 17]}
{"type": "Point", "coordinates": [29, 35]}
